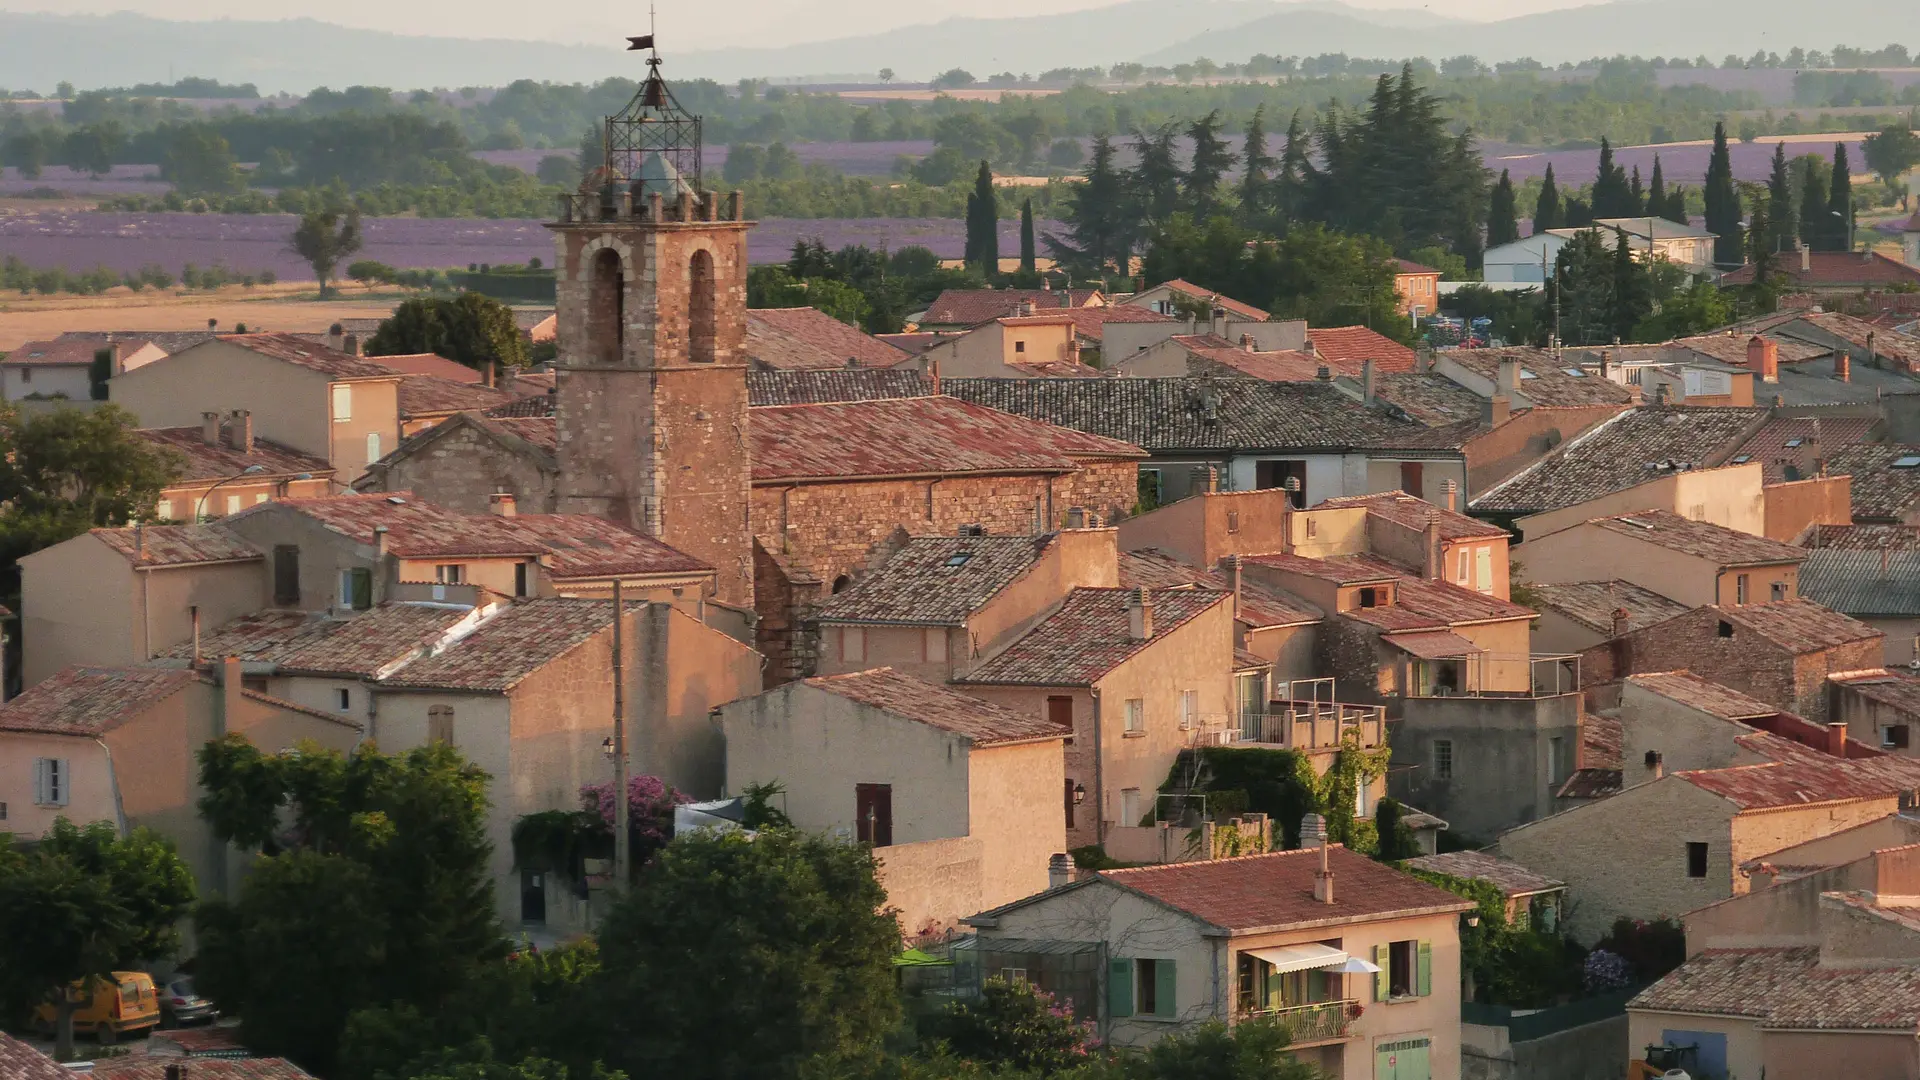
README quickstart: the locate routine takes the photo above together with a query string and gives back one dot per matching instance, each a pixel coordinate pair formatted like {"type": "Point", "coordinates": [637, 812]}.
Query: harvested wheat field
{"type": "Point", "coordinates": [286, 307]}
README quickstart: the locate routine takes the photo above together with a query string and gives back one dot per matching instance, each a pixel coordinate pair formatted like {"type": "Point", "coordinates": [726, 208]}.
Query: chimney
{"type": "Point", "coordinates": [380, 541]}
{"type": "Point", "coordinates": [1656, 763]}
{"type": "Point", "coordinates": [1313, 833]}
{"type": "Point", "coordinates": [1663, 394]}
{"type": "Point", "coordinates": [1076, 517]}
{"type": "Point", "coordinates": [230, 687]}
{"type": "Point", "coordinates": [1837, 738]}
{"type": "Point", "coordinates": [176, 1071]}
{"type": "Point", "coordinates": [210, 428]}
{"type": "Point", "coordinates": [1423, 359]}
{"type": "Point", "coordinates": [1219, 322]}
{"type": "Point", "coordinates": [1843, 365]}
{"type": "Point", "coordinates": [1606, 363]}
{"type": "Point", "coordinates": [1453, 496]}
{"type": "Point", "coordinates": [336, 337]}
{"type": "Point", "coordinates": [933, 375]}
{"type": "Point", "coordinates": [1434, 568]}
{"type": "Point", "coordinates": [240, 431]}
{"type": "Point", "coordinates": [1873, 354]}
{"type": "Point", "coordinates": [140, 542]}
{"type": "Point", "coordinates": [489, 374]}
{"type": "Point", "coordinates": [1232, 565]}
{"type": "Point", "coordinates": [1046, 284]}
{"type": "Point", "coordinates": [503, 503]}
{"type": "Point", "coordinates": [1213, 480]}
{"type": "Point", "coordinates": [1806, 258]}
{"type": "Point", "coordinates": [1763, 358]}
{"type": "Point", "coordinates": [1073, 347]}
{"type": "Point", "coordinates": [1246, 342]}
{"type": "Point", "coordinates": [1620, 619]}
{"type": "Point", "coordinates": [1025, 308]}
{"type": "Point", "coordinates": [352, 345]}
{"type": "Point", "coordinates": [1140, 615]}
{"type": "Point", "coordinates": [1509, 383]}
{"type": "Point", "coordinates": [1366, 381]}
{"type": "Point", "coordinates": [1325, 374]}
{"type": "Point", "coordinates": [1496, 410]}
{"type": "Point", "coordinates": [1059, 870]}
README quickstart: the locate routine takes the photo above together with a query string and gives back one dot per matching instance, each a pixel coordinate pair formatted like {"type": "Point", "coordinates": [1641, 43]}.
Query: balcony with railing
{"type": "Point", "coordinates": [1304, 716]}
{"type": "Point", "coordinates": [1320, 1022]}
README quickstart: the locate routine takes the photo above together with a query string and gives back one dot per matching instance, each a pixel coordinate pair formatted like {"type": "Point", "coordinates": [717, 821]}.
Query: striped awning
{"type": "Point", "coordinates": [1285, 958]}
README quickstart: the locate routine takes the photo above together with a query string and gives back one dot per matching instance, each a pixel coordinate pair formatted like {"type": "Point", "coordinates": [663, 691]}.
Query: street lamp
{"type": "Point", "coordinates": [251, 470]}
{"type": "Point", "coordinates": [1848, 219]}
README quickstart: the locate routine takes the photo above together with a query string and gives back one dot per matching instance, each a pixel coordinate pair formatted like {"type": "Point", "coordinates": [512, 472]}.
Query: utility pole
{"type": "Point", "coordinates": [622, 848]}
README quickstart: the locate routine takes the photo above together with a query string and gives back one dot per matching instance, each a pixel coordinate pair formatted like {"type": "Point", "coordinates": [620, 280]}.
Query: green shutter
{"type": "Point", "coordinates": [1119, 988]}
{"type": "Point", "coordinates": [1423, 970]}
{"type": "Point", "coordinates": [1382, 979]}
{"type": "Point", "coordinates": [1163, 1000]}
{"type": "Point", "coordinates": [362, 581]}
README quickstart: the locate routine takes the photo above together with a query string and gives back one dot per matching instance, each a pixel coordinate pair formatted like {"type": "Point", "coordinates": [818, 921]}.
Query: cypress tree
{"type": "Point", "coordinates": [1636, 196]}
{"type": "Point", "coordinates": [1657, 191]}
{"type": "Point", "coordinates": [1503, 227]}
{"type": "Point", "coordinates": [1677, 205]}
{"type": "Point", "coordinates": [1632, 293]}
{"type": "Point", "coordinates": [1255, 198]}
{"type": "Point", "coordinates": [1840, 201]}
{"type": "Point", "coordinates": [1813, 206]}
{"type": "Point", "coordinates": [1577, 214]}
{"type": "Point", "coordinates": [1546, 210]}
{"type": "Point", "coordinates": [1780, 228]}
{"type": "Point", "coordinates": [1027, 252]}
{"type": "Point", "coordinates": [1609, 186]}
{"type": "Point", "coordinates": [1723, 202]}
{"type": "Point", "coordinates": [983, 224]}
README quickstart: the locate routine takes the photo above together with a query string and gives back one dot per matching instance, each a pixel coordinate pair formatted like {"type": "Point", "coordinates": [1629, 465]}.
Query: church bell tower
{"type": "Point", "coordinates": [651, 309]}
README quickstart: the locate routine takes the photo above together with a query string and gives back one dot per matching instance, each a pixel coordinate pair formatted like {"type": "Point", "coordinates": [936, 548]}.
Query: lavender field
{"type": "Point", "coordinates": [851, 158]}
{"type": "Point", "coordinates": [1683, 163]}
{"type": "Point", "coordinates": [123, 180]}
{"type": "Point", "coordinates": [253, 242]}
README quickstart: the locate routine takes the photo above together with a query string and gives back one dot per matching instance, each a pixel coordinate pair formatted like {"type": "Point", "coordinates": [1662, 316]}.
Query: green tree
{"type": "Point", "coordinates": [1657, 191]}
{"type": "Point", "coordinates": [1812, 218]}
{"type": "Point", "coordinates": [27, 151]}
{"type": "Point", "coordinates": [1582, 286]}
{"type": "Point", "coordinates": [1546, 209]}
{"type": "Point", "coordinates": [1255, 197]}
{"type": "Point", "coordinates": [1503, 225]}
{"type": "Point", "coordinates": [91, 149]}
{"type": "Point", "coordinates": [559, 170]}
{"type": "Point", "coordinates": [1312, 272]}
{"type": "Point", "coordinates": [1840, 201]}
{"type": "Point", "coordinates": [80, 903]}
{"type": "Point", "coordinates": [325, 239]}
{"type": "Point", "coordinates": [1397, 840]}
{"type": "Point", "coordinates": [1723, 202]}
{"type": "Point", "coordinates": [1631, 297]}
{"type": "Point", "coordinates": [1252, 1049]}
{"type": "Point", "coordinates": [1013, 1024]}
{"type": "Point", "coordinates": [1781, 228]}
{"type": "Point", "coordinates": [472, 328]}
{"type": "Point", "coordinates": [983, 224]}
{"type": "Point", "coordinates": [1294, 185]}
{"type": "Point", "coordinates": [1891, 153]}
{"type": "Point", "coordinates": [1610, 197]}
{"type": "Point", "coordinates": [1028, 254]}
{"type": "Point", "coordinates": [793, 920]}
{"type": "Point", "coordinates": [1098, 218]}
{"type": "Point", "coordinates": [1156, 176]}
{"type": "Point", "coordinates": [1207, 165]}
{"type": "Point", "coordinates": [198, 161]}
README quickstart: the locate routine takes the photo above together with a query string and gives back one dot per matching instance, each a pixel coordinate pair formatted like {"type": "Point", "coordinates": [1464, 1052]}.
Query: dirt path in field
{"type": "Point", "coordinates": [290, 307]}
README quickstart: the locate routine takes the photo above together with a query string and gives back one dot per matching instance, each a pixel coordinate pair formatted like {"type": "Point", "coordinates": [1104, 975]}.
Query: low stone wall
{"type": "Point", "coordinates": [1596, 1051]}
{"type": "Point", "coordinates": [934, 883]}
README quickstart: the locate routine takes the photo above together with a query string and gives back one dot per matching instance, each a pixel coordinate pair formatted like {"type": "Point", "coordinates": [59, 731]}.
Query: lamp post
{"type": "Point", "coordinates": [201, 509]}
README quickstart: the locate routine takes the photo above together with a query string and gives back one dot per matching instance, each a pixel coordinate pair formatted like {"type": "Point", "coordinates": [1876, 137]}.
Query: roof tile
{"type": "Point", "coordinates": [310, 355]}
{"type": "Point", "coordinates": [936, 580]}
{"type": "Point", "coordinates": [177, 545]}
{"type": "Point", "coordinates": [1191, 291]}
{"type": "Point", "coordinates": [1351, 346]}
{"type": "Point", "coordinates": [1883, 583]}
{"type": "Point", "coordinates": [1592, 603]}
{"type": "Point", "coordinates": [971, 307]}
{"type": "Point", "coordinates": [1630, 449]}
{"type": "Point", "coordinates": [1805, 779]}
{"type": "Point", "coordinates": [838, 384]}
{"type": "Point", "coordinates": [982, 722]}
{"type": "Point", "coordinates": [913, 437]}
{"type": "Point", "coordinates": [223, 460]}
{"type": "Point", "coordinates": [517, 640]}
{"type": "Point", "coordinates": [1257, 892]}
{"type": "Point", "coordinates": [1886, 479]}
{"type": "Point", "coordinates": [1510, 877]}
{"type": "Point", "coordinates": [89, 701]}
{"type": "Point", "coordinates": [1260, 606]}
{"type": "Point", "coordinates": [1703, 695]}
{"type": "Point", "coordinates": [1702, 539]}
{"type": "Point", "coordinates": [1788, 988]}
{"type": "Point", "coordinates": [1087, 636]}
{"type": "Point", "coordinates": [805, 337]}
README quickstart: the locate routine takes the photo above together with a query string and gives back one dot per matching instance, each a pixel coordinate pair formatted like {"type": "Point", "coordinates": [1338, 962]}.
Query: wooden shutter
{"type": "Point", "coordinates": [361, 580]}
{"type": "Point", "coordinates": [1163, 988]}
{"type": "Point", "coordinates": [40, 781]}
{"type": "Point", "coordinates": [1383, 979]}
{"type": "Point", "coordinates": [1423, 969]}
{"type": "Point", "coordinates": [1119, 988]}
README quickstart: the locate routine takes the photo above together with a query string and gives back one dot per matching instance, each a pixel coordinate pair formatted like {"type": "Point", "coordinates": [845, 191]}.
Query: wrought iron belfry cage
{"type": "Point", "coordinates": [651, 148]}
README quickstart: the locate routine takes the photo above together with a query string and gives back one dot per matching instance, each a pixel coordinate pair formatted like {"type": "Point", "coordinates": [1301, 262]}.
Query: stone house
{"type": "Point", "coordinates": [117, 744]}
{"type": "Point", "coordinates": [1029, 345]}
{"type": "Point", "coordinates": [1878, 587]}
{"type": "Point", "coordinates": [1360, 962]}
{"type": "Point", "coordinates": [227, 469]}
{"type": "Point", "coordinates": [960, 798]}
{"type": "Point", "coordinates": [1689, 561]}
{"type": "Point", "coordinates": [1577, 615]}
{"type": "Point", "coordinates": [1782, 653]}
{"type": "Point", "coordinates": [1532, 900]}
{"type": "Point", "coordinates": [1276, 628]}
{"type": "Point", "coordinates": [1676, 721]}
{"type": "Point", "coordinates": [960, 309]}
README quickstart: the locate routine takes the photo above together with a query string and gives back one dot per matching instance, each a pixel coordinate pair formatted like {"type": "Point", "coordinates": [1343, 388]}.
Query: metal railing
{"type": "Point", "coordinates": [1297, 726]}
{"type": "Point", "coordinates": [1548, 675]}
{"type": "Point", "coordinates": [1322, 1021]}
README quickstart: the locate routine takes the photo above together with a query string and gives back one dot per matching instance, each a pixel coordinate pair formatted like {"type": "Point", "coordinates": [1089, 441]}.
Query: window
{"type": "Point", "coordinates": [1140, 988]}
{"type": "Point", "coordinates": [342, 403]}
{"type": "Point", "coordinates": [373, 446]}
{"type": "Point", "coordinates": [440, 724]}
{"type": "Point", "coordinates": [1894, 737]}
{"type": "Point", "coordinates": [1725, 629]}
{"type": "Point", "coordinates": [873, 813]}
{"type": "Point", "coordinates": [853, 645]}
{"type": "Point", "coordinates": [1313, 528]}
{"type": "Point", "coordinates": [3, 811]}
{"type": "Point", "coordinates": [1189, 709]}
{"type": "Point", "coordinates": [343, 699]}
{"type": "Point", "coordinates": [1907, 461]}
{"type": "Point", "coordinates": [163, 510]}
{"type": "Point", "coordinates": [1136, 715]}
{"type": "Point", "coordinates": [286, 574]}
{"type": "Point", "coordinates": [519, 579]}
{"type": "Point", "coordinates": [1556, 760]}
{"type": "Point", "coordinates": [450, 573]}
{"type": "Point", "coordinates": [259, 498]}
{"type": "Point", "coordinates": [1739, 589]}
{"type": "Point", "coordinates": [1777, 591]}
{"type": "Point", "coordinates": [1483, 569]}
{"type": "Point", "coordinates": [1696, 859]}
{"type": "Point", "coordinates": [1461, 576]}
{"type": "Point", "coordinates": [26, 374]}
{"type": "Point", "coordinates": [233, 504]}
{"type": "Point", "coordinates": [50, 781]}
{"type": "Point", "coordinates": [958, 559]}
{"type": "Point", "coordinates": [1233, 521]}
{"type": "Point", "coordinates": [1019, 346]}
{"type": "Point", "coordinates": [936, 645]}
{"type": "Point", "coordinates": [703, 309]}
{"type": "Point", "coordinates": [356, 588]}
{"type": "Point", "coordinates": [1791, 443]}
{"type": "Point", "coordinates": [1130, 813]}
{"type": "Point", "coordinates": [1412, 474]}
{"type": "Point", "coordinates": [1369, 597]}
{"type": "Point", "coordinates": [1406, 970]}
{"type": "Point", "coordinates": [1443, 759]}
{"type": "Point", "coordinates": [1275, 474]}
{"type": "Point", "coordinates": [1014, 975]}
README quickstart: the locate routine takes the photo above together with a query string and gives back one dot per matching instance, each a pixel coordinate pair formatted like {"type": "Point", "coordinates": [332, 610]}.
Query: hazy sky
{"type": "Point", "coordinates": [711, 24]}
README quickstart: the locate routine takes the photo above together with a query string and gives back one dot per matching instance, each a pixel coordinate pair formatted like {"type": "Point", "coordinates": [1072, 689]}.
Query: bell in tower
{"type": "Point", "coordinates": [651, 273]}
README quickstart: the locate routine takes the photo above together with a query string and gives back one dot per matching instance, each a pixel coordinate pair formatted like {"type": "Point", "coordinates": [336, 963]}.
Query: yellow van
{"type": "Point", "coordinates": [110, 1006]}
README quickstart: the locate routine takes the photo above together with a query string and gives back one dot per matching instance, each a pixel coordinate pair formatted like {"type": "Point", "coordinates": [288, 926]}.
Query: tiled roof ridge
{"type": "Point", "coordinates": [1558, 452]}
{"type": "Point", "coordinates": [1255, 857]}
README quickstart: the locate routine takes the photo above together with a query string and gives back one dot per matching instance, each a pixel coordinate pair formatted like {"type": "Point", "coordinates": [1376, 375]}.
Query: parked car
{"type": "Point", "coordinates": [111, 1005]}
{"type": "Point", "coordinates": [180, 1006]}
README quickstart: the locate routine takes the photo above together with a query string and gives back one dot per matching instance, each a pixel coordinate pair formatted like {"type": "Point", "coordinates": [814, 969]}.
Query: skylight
{"type": "Point", "coordinates": [1525, 374]}
{"type": "Point", "coordinates": [959, 558]}
{"type": "Point", "coordinates": [1907, 461]}
{"type": "Point", "coordinates": [1791, 443]}
{"type": "Point", "coordinates": [1742, 459]}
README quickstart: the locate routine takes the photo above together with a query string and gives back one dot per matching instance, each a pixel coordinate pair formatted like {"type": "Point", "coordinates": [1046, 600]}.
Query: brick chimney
{"type": "Point", "coordinates": [1434, 567]}
{"type": "Point", "coordinates": [1496, 410]}
{"type": "Point", "coordinates": [1763, 358]}
{"type": "Point", "coordinates": [1313, 832]}
{"type": "Point", "coordinates": [1843, 365]}
{"type": "Point", "coordinates": [1453, 496]}
{"type": "Point", "coordinates": [1806, 258]}
{"type": "Point", "coordinates": [1140, 615]}
{"type": "Point", "coordinates": [1366, 381]}
{"type": "Point", "coordinates": [1663, 394]}
{"type": "Point", "coordinates": [240, 431]}
{"type": "Point", "coordinates": [351, 346]}
{"type": "Point", "coordinates": [1621, 616]}
{"type": "Point", "coordinates": [1508, 384]}
{"type": "Point", "coordinates": [1606, 363]}
{"type": "Point", "coordinates": [503, 503]}
{"type": "Point", "coordinates": [933, 374]}
{"type": "Point", "coordinates": [230, 686]}
{"type": "Point", "coordinates": [1837, 738]}
{"type": "Point", "coordinates": [210, 428]}
{"type": "Point", "coordinates": [1213, 480]}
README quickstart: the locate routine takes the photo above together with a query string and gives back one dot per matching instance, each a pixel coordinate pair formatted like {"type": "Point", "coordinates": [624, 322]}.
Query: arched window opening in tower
{"type": "Point", "coordinates": [607, 309]}
{"type": "Point", "coordinates": [702, 327]}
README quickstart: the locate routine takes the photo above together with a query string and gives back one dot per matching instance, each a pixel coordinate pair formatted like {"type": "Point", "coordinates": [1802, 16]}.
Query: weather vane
{"type": "Point", "coordinates": [645, 41]}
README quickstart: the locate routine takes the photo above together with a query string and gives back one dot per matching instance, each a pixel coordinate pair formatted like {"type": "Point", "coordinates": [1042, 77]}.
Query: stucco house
{"type": "Point", "coordinates": [1360, 961]}
{"type": "Point", "coordinates": [62, 369]}
{"type": "Point", "coordinates": [1577, 615]}
{"type": "Point", "coordinates": [1690, 561]}
{"type": "Point", "coordinates": [1028, 345]}
{"type": "Point", "coordinates": [227, 469]}
{"type": "Point", "coordinates": [960, 798]}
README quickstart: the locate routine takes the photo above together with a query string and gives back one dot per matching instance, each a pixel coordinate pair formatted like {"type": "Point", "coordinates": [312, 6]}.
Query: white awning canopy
{"type": "Point", "coordinates": [1285, 958]}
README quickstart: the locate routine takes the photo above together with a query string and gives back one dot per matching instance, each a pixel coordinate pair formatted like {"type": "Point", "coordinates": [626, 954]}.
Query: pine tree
{"type": "Point", "coordinates": [1657, 191]}
{"type": "Point", "coordinates": [1156, 176]}
{"type": "Point", "coordinates": [983, 224]}
{"type": "Point", "coordinates": [1723, 202]}
{"type": "Point", "coordinates": [1546, 210]}
{"type": "Point", "coordinates": [1780, 228]}
{"type": "Point", "coordinates": [1631, 295]}
{"type": "Point", "coordinates": [1813, 206]}
{"type": "Point", "coordinates": [1293, 186]}
{"type": "Point", "coordinates": [1576, 214]}
{"type": "Point", "coordinates": [1027, 252]}
{"type": "Point", "coordinates": [1208, 166]}
{"type": "Point", "coordinates": [1503, 227]}
{"type": "Point", "coordinates": [1099, 217]}
{"type": "Point", "coordinates": [1840, 202]}
{"type": "Point", "coordinates": [1637, 199]}
{"type": "Point", "coordinates": [1256, 198]}
{"type": "Point", "coordinates": [1677, 205]}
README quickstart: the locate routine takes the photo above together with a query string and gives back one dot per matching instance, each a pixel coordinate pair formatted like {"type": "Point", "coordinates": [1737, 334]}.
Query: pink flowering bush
{"type": "Point", "coordinates": [1016, 1024]}
{"type": "Point", "coordinates": [650, 803]}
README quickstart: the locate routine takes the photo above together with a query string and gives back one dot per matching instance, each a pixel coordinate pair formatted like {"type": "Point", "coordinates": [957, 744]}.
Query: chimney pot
{"type": "Point", "coordinates": [1059, 870]}
{"type": "Point", "coordinates": [1763, 358]}
{"type": "Point", "coordinates": [1509, 383]}
{"type": "Point", "coordinates": [1843, 365]}
{"type": "Point", "coordinates": [1213, 480]}
{"type": "Point", "coordinates": [1621, 616]}
{"type": "Point", "coordinates": [240, 431]}
{"type": "Point", "coordinates": [1140, 615]}
{"type": "Point", "coordinates": [1837, 738]}
{"type": "Point", "coordinates": [210, 428]}
{"type": "Point", "coordinates": [503, 503]}
{"type": "Point", "coordinates": [1366, 381]}
{"type": "Point", "coordinates": [1434, 568]}
{"type": "Point", "coordinates": [1606, 363]}
{"type": "Point", "coordinates": [1452, 489]}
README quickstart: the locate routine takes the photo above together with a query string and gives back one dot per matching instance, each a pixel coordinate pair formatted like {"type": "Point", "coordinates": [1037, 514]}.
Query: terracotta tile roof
{"type": "Point", "coordinates": [1352, 346]}
{"type": "Point", "coordinates": [517, 640]}
{"type": "Point", "coordinates": [1602, 741]}
{"type": "Point", "coordinates": [1863, 538]}
{"type": "Point", "coordinates": [1087, 636]}
{"type": "Point", "coordinates": [1280, 365]}
{"type": "Point", "coordinates": [177, 545]}
{"type": "Point", "coordinates": [1882, 583]}
{"type": "Point", "coordinates": [1427, 397]}
{"type": "Point", "coordinates": [18, 1061]}
{"type": "Point", "coordinates": [1259, 892]}
{"type": "Point", "coordinates": [936, 580]}
{"type": "Point", "coordinates": [1508, 876]}
{"type": "Point", "coordinates": [169, 341]}
{"type": "Point", "coordinates": [1091, 322]}
{"type": "Point", "coordinates": [1808, 779]}
{"type": "Point", "coordinates": [1771, 444]}
{"type": "Point", "coordinates": [1591, 784]}
{"type": "Point", "coordinates": [428, 364]}
{"type": "Point", "coordinates": [1834, 269]}
{"type": "Point", "coordinates": [1902, 349]}
{"type": "Point", "coordinates": [1408, 266]}
{"type": "Point", "coordinates": [415, 529]}
{"type": "Point", "coordinates": [306, 354]}
{"type": "Point", "coordinates": [1340, 571]}
{"type": "Point", "coordinates": [1592, 603]}
{"type": "Point", "coordinates": [213, 1040]}
{"type": "Point", "coordinates": [532, 405]}
{"type": "Point", "coordinates": [1702, 539]}
{"type": "Point", "coordinates": [914, 437]}
{"type": "Point", "coordinates": [57, 353]}
{"type": "Point", "coordinates": [1788, 989]}
{"type": "Point", "coordinates": [1798, 625]}
{"type": "Point", "coordinates": [263, 636]}
{"type": "Point", "coordinates": [540, 432]}
{"type": "Point", "coordinates": [983, 723]}
{"type": "Point", "coordinates": [368, 642]}
{"type": "Point", "coordinates": [1409, 511]}
{"type": "Point", "coordinates": [1886, 479]}
{"type": "Point", "coordinates": [154, 1067]}
{"type": "Point", "coordinates": [1195, 292]}
{"type": "Point", "coordinates": [1260, 606]}
{"type": "Point", "coordinates": [1630, 449]}
{"type": "Point", "coordinates": [1192, 414]}
{"type": "Point", "coordinates": [1545, 380]}
{"type": "Point", "coordinates": [430, 395]}
{"type": "Point", "coordinates": [839, 384]}
{"type": "Point", "coordinates": [971, 307]}
{"type": "Point", "coordinates": [585, 546]}
{"type": "Point", "coordinates": [1433, 644]}
{"type": "Point", "coordinates": [1731, 348]}
{"type": "Point", "coordinates": [88, 701]}
{"type": "Point", "coordinates": [916, 344]}
{"type": "Point", "coordinates": [1896, 691]}
{"type": "Point", "coordinates": [1702, 694]}
{"type": "Point", "coordinates": [205, 462]}
{"type": "Point", "coordinates": [1441, 600]}
{"type": "Point", "coordinates": [805, 337]}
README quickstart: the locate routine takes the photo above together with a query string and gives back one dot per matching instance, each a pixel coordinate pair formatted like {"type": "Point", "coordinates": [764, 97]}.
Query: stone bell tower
{"type": "Point", "coordinates": [651, 310]}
